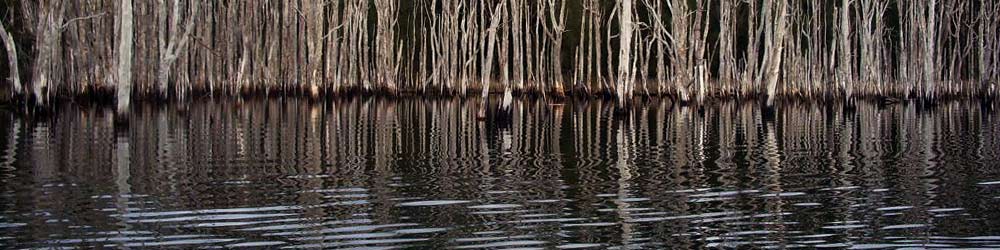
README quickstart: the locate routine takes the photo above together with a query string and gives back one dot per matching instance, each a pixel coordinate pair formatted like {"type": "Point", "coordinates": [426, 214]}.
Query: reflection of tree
{"type": "Point", "coordinates": [556, 167]}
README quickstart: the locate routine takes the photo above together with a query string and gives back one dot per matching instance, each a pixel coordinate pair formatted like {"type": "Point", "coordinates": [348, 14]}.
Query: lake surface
{"type": "Point", "coordinates": [374, 173]}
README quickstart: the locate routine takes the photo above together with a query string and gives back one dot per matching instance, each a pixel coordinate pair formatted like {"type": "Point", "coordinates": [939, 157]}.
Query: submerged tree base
{"type": "Point", "coordinates": [106, 97]}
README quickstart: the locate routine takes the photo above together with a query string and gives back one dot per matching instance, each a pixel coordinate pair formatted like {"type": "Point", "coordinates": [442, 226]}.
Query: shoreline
{"type": "Point", "coordinates": [106, 99]}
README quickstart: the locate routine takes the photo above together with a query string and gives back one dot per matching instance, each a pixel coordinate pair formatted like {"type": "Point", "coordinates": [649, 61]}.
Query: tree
{"type": "Point", "coordinates": [11, 49]}
{"type": "Point", "coordinates": [623, 87]}
{"type": "Point", "coordinates": [124, 62]}
{"type": "Point", "coordinates": [172, 42]}
{"type": "Point", "coordinates": [775, 46]}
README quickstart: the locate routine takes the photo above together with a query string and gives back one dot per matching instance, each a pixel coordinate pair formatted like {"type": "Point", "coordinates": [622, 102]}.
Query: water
{"type": "Point", "coordinates": [369, 173]}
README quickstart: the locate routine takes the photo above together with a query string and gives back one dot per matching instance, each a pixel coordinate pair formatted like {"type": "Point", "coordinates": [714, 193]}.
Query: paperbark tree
{"type": "Point", "coordinates": [124, 62]}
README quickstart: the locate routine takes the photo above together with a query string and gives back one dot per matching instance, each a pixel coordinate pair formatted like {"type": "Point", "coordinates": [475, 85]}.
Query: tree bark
{"type": "Point", "coordinates": [8, 42]}
{"type": "Point", "coordinates": [844, 75]}
{"type": "Point", "coordinates": [171, 44]}
{"type": "Point", "coordinates": [775, 48]}
{"type": "Point", "coordinates": [624, 81]}
{"type": "Point", "coordinates": [47, 68]}
{"type": "Point", "coordinates": [124, 85]}
{"type": "Point", "coordinates": [930, 56]}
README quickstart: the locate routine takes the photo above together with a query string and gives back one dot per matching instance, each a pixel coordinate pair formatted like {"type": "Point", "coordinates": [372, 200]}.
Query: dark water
{"type": "Point", "coordinates": [379, 174]}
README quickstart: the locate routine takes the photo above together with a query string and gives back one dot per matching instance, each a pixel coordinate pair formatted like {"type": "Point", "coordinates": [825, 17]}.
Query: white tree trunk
{"type": "Point", "coordinates": [775, 47]}
{"type": "Point", "coordinates": [844, 69]}
{"type": "Point", "coordinates": [491, 41]}
{"type": "Point", "coordinates": [625, 53]}
{"type": "Point", "coordinates": [124, 88]}
{"type": "Point", "coordinates": [930, 76]}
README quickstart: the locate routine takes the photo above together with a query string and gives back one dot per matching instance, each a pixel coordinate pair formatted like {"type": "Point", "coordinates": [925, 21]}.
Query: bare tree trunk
{"type": "Point", "coordinates": [681, 52]}
{"type": "Point", "coordinates": [517, 9]}
{"type": "Point", "coordinates": [844, 75]}
{"type": "Point", "coordinates": [930, 56]}
{"type": "Point", "coordinates": [124, 62]}
{"type": "Point", "coordinates": [8, 43]}
{"type": "Point", "coordinates": [727, 35]}
{"type": "Point", "coordinates": [313, 11]}
{"type": "Point", "coordinates": [47, 68]}
{"type": "Point", "coordinates": [700, 42]}
{"type": "Point", "coordinates": [495, 20]}
{"type": "Point", "coordinates": [988, 46]}
{"type": "Point", "coordinates": [503, 60]}
{"type": "Point", "coordinates": [171, 44]}
{"type": "Point", "coordinates": [624, 82]}
{"type": "Point", "coordinates": [775, 47]}
{"type": "Point", "coordinates": [558, 21]}
{"type": "Point", "coordinates": [387, 57]}
{"type": "Point", "coordinates": [660, 35]}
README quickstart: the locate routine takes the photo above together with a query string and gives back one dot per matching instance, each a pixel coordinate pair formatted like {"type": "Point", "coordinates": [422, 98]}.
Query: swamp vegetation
{"type": "Point", "coordinates": [690, 50]}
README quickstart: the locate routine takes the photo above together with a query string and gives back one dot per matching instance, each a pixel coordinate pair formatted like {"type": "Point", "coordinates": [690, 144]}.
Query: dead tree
{"type": "Point", "coordinates": [47, 66]}
{"type": "Point", "coordinates": [312, 11]}
{"type": "Point", "coordinates": [699, 41]}
{"type": "Point", "coordinates": [727, 44]}
{"type": "Point", "coordinates": [681, 52]}
{"type": "Point", "coordinates": [845, 76]}
{"type": "Point", "coordinates": [623, 87]}
{"type": "Point", "coordinates": [988, 46]}
{"type": "Point", "coordinates": [172, 42]}
{"type": "Point", "coordinates": [555, 32]}
{"type": "Point", "coordinates": [929, 52]}
{"type": "Point", "coordinates": [387, 62]}
{"type": "Point", "coordinates": [124, 62]}
{"type": "Point", "coordinates": [774, 45]}
{"type": "Point", "coordinates": [491, 40]}
{"type": "Point", "coordinates": [11, 50]}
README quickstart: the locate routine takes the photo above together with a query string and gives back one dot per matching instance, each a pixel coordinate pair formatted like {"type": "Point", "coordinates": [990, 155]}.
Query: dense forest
{"type": "Point", "coordinates": [691, 50]}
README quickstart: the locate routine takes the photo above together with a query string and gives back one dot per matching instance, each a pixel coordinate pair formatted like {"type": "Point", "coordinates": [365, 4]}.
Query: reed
{"type": "Point", "coordinates": [692, 50]}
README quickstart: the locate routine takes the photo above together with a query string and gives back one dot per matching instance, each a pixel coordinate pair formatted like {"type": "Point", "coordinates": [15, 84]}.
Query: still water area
{"type": "Point", "coordinates": [426, 174]}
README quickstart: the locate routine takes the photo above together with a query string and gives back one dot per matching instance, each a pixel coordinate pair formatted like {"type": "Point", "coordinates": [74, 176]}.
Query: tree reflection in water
{"type": "Point", "coordinates": [426, 173]}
